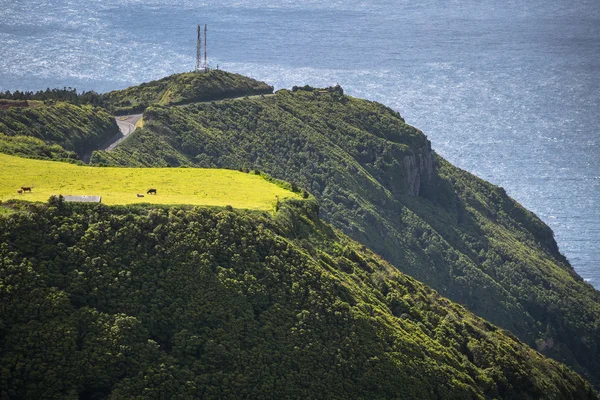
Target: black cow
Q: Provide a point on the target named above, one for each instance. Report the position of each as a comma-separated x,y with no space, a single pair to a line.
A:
151,191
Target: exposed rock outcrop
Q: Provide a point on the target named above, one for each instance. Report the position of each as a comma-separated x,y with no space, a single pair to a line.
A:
419,169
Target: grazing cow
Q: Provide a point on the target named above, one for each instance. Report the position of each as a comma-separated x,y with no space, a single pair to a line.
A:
140,195
151,191
20,191
26,188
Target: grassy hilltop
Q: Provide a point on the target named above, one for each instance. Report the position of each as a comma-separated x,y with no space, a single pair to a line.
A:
212,187
177,89
182,89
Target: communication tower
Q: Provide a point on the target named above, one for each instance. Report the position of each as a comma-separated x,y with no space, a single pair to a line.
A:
201,66
199,50
205,58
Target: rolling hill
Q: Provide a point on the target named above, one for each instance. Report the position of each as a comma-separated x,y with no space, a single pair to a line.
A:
183,88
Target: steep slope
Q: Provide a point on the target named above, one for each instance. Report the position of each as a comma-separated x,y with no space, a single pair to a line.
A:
105,302
184,88
80,129
378,180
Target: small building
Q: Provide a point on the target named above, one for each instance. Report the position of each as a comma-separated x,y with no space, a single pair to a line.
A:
83,199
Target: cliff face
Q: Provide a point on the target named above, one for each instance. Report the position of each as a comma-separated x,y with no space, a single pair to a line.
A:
378,180
420,170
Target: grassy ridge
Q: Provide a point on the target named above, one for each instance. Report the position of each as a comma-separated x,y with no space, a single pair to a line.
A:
463,236
83,122
183,88
121,185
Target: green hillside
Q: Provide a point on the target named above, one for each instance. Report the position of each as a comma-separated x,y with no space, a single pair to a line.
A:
184,88
79,129
213,187
31,147
175,303
84,122
377,179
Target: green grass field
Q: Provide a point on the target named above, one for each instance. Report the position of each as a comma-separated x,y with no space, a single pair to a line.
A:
198,186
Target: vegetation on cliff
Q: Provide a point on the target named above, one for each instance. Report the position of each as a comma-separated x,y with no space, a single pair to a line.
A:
377,179
150,303
83,122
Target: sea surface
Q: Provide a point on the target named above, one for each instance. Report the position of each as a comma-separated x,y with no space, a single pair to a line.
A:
509,90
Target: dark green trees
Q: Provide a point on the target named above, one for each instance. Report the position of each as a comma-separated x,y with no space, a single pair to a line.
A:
99,302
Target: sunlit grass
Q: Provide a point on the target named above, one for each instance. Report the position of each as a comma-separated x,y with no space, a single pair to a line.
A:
199,186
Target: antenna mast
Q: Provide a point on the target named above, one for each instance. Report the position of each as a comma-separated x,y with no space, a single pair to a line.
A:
205,59
201,66
199,50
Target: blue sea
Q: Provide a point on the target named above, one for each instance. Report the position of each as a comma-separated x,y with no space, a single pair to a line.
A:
509,90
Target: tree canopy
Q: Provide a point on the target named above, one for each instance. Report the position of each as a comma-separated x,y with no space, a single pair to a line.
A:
152,303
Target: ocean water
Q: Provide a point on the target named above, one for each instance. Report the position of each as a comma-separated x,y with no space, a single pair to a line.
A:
509,90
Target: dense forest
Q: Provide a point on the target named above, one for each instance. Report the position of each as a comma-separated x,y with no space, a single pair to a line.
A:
170,302
378,180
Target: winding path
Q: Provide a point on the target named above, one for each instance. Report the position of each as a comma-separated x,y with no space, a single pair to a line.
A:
126,125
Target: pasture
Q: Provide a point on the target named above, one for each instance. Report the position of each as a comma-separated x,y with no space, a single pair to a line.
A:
197,186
